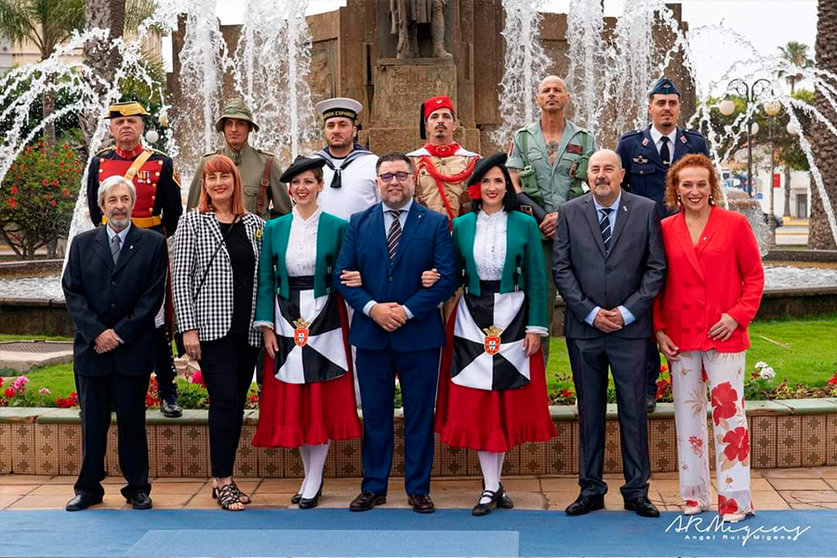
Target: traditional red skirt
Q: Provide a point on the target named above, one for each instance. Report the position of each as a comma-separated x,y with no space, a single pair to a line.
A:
492,420
292,415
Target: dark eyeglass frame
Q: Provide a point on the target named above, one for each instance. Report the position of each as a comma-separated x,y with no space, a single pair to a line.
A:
401,176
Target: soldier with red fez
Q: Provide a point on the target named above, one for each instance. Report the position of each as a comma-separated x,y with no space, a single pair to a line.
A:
442,165
158,207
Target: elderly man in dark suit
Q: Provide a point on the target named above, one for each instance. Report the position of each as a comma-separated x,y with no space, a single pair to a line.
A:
396,327
609,264
113,285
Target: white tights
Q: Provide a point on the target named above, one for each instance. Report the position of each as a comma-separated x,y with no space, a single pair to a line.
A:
491,464
313,462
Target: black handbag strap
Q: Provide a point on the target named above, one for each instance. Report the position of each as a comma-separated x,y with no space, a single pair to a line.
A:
215,253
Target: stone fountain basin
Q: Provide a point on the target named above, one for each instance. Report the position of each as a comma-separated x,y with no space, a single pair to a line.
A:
35,305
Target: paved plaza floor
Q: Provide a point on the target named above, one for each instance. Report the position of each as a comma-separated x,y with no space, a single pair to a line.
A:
773,489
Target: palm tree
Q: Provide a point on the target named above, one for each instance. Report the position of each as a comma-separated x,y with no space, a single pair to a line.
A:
46,23
796,54
825,148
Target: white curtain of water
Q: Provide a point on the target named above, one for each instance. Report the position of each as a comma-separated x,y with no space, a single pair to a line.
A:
270,68
525,65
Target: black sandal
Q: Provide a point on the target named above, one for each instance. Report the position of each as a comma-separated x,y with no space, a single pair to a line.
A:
245,499
228,497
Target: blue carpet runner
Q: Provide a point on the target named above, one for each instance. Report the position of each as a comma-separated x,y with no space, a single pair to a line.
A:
400,532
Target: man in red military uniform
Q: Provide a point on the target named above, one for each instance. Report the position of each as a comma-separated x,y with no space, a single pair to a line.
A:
158,207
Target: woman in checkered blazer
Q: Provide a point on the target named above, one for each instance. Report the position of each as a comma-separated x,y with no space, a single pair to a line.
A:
214,278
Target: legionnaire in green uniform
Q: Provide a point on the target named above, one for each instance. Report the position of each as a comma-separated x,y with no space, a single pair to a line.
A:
264,194
548,165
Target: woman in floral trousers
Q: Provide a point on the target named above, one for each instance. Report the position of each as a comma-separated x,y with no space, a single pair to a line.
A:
712,293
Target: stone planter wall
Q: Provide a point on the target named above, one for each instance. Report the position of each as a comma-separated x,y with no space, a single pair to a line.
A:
796,433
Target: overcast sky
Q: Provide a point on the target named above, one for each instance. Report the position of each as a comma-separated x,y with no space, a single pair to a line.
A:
724,32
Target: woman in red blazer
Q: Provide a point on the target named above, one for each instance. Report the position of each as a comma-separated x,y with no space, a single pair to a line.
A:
712,293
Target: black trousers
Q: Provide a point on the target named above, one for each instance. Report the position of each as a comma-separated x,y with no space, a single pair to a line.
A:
590,359
164,363
97,394
227,366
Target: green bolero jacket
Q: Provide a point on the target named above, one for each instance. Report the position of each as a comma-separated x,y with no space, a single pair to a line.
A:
273,273
524,267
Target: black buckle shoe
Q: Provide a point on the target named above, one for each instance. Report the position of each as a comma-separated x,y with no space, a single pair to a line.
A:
296,498
171,408
585,504
642,506
494,498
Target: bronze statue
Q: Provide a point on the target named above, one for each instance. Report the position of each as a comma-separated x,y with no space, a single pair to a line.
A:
406,17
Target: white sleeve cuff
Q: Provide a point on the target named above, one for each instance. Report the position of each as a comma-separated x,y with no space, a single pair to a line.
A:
538,330
368,306
258,324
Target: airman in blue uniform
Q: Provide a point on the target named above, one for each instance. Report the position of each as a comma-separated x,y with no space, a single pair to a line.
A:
642,151
646,157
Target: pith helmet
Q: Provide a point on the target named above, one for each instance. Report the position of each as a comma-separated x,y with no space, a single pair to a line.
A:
236,108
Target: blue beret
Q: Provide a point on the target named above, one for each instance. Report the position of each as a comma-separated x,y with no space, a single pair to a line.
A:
664,86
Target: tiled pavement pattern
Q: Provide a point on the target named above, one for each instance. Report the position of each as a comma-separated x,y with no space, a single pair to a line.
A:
773,489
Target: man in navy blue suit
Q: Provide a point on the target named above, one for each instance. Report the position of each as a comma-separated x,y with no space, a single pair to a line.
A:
397,327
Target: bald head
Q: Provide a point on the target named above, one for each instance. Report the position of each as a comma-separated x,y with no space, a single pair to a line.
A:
604,176
552,94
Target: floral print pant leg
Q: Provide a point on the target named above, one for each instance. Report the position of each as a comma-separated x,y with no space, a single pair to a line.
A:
725,374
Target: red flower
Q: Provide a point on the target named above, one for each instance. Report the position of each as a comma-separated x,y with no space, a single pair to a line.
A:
566,392
55,182
1,380
727,505
10,392
662,388
692,503
738,444
832,381
14,190
253,398
12,203
663,368
44,182
65,192
66,145
724,398
53,203
150,400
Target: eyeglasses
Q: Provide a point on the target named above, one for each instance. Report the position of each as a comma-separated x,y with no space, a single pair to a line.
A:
400,176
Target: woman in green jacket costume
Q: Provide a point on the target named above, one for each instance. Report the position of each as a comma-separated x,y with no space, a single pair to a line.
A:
492,393
308,396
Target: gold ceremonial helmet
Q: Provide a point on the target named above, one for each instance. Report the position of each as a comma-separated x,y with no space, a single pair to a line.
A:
128,108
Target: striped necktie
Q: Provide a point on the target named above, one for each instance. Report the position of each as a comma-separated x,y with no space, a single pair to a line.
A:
604,226
115,247
394,234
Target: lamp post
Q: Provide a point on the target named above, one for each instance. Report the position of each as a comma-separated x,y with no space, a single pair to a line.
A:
772,108
749,93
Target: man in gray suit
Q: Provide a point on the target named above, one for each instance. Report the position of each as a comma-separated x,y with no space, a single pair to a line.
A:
609,264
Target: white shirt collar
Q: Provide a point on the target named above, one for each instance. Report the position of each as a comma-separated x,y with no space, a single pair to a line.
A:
614,205
656,135
405,208
122,234
313,218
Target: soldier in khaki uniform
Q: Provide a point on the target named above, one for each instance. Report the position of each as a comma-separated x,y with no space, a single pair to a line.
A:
548,164
442,165
264,194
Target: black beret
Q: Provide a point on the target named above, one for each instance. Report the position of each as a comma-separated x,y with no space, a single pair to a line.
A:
484,165
300,165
